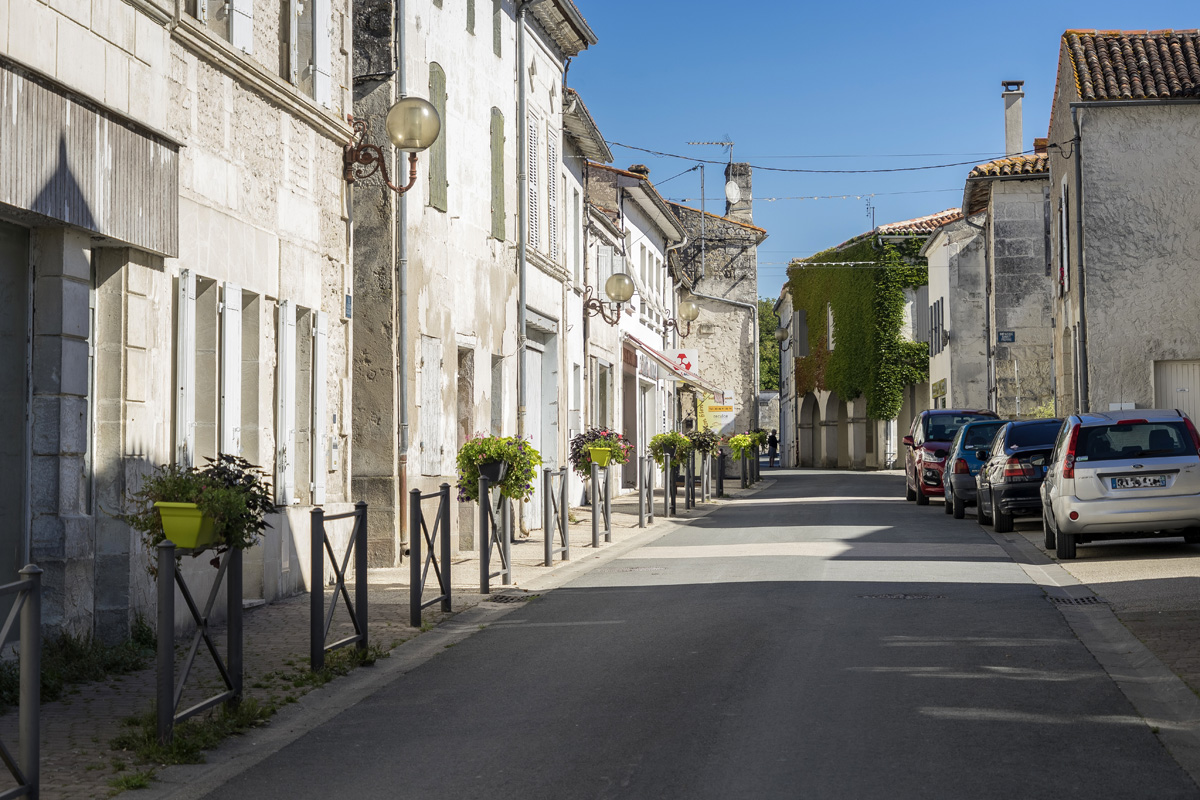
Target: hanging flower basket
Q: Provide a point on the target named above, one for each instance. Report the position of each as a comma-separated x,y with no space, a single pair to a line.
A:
186,525
494,471
600,455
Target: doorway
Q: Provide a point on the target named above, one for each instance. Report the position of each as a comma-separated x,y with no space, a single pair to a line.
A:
14,398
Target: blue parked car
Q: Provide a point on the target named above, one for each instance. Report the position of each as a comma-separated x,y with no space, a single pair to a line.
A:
962,463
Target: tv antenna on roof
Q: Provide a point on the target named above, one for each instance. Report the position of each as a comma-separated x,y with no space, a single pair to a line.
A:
719,144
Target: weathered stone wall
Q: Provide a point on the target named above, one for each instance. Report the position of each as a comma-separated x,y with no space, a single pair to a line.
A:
1020,297
726,336
1141,203
1065,304
956,274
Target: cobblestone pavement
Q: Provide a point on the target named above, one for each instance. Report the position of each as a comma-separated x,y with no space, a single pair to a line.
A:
77,758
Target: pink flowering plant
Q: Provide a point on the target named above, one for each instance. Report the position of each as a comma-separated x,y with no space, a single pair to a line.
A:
522,457
581,444
704,440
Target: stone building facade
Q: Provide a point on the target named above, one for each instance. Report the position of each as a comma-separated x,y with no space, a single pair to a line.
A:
441,270
958,317
1010,196
187,287
719,261
1124,161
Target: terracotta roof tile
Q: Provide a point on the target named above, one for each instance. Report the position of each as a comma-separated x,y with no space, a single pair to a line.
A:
1134,65
921,226
1031,164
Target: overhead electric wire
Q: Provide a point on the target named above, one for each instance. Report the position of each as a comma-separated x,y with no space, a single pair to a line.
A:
849,196
972,162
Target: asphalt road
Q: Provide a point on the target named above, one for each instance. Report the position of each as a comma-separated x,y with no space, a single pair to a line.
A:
822,639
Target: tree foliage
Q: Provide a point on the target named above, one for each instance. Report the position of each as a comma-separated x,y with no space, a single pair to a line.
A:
768,348
869,357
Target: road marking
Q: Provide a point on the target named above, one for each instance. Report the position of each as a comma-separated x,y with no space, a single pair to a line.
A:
821,549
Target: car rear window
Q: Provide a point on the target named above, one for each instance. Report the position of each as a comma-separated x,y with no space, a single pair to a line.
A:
1034,434
942,427
1134,440
980,435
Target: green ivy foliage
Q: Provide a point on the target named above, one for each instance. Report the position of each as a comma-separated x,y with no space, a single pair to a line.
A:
869,358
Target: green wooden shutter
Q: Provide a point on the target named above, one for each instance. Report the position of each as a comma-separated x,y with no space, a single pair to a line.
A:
498,216
497,12
437,153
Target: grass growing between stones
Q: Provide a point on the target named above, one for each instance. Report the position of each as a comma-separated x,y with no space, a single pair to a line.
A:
68,661
207,731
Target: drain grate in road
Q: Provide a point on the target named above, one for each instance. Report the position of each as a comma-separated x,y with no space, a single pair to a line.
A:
1077,601
902,596
511,598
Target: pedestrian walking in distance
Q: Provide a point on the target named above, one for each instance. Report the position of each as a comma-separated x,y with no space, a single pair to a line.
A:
772,447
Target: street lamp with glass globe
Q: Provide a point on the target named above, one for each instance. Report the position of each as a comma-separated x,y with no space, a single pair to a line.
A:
619,288
412,125
688,311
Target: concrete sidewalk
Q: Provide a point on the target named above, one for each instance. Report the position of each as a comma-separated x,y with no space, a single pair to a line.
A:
77,759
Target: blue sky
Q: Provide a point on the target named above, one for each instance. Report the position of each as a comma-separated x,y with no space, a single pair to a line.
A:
795,84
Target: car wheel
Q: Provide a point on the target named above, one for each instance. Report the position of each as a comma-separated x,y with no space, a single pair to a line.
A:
909,494
922,498
983,514
949,506
1192,535
1047,531
1066,545
1002,521
960,507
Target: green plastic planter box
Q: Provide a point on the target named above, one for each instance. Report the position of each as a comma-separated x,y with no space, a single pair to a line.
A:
186,525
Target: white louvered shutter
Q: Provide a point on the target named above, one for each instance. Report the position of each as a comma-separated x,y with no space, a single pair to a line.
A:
231,371
604,256
322,52
531,160
552,195
185,370
430,417
320,427
285,417
241,25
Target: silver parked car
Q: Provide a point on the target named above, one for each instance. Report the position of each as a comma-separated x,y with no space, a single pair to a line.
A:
1120,475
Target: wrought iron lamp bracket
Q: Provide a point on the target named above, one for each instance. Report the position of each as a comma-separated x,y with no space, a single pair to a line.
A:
672,322
361,159
610,312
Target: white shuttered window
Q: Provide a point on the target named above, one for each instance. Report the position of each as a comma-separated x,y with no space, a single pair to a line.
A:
531,161
231,371
552,195
285,416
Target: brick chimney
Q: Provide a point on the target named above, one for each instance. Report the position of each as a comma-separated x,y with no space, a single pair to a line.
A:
1013,135
742,210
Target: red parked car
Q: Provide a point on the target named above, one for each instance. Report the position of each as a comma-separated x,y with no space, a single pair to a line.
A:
928,445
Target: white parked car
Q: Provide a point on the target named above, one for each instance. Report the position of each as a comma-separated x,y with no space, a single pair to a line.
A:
1121,475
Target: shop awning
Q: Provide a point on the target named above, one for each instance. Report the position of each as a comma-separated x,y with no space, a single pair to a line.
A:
673,370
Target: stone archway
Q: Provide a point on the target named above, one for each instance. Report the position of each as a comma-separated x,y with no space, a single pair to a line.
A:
809,427
857,437
829,431
843,435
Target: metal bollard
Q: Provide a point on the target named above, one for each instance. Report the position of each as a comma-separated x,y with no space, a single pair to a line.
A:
506,523
485,539
416,558
641,491
650,471
564,519
233,631
28,718
608,503
316,590
547,517
596,511
165,703
689,485
745,467
360,566
721,473
667,485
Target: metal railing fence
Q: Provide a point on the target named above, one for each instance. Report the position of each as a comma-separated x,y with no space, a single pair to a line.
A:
554,514
493,533
169,687
422,552
320,620
601,504
25,768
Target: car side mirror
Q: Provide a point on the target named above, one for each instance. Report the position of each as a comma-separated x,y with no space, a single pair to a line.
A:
982,455
940,453
908,440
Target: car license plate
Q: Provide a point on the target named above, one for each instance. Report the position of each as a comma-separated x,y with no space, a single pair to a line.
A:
1139,482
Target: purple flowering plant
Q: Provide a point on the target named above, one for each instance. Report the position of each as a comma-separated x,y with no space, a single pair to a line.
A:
522,457
581,457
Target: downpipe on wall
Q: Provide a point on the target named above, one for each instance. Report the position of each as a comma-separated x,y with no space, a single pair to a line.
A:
401,309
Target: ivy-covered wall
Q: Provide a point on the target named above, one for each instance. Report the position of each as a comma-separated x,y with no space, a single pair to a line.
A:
869,357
